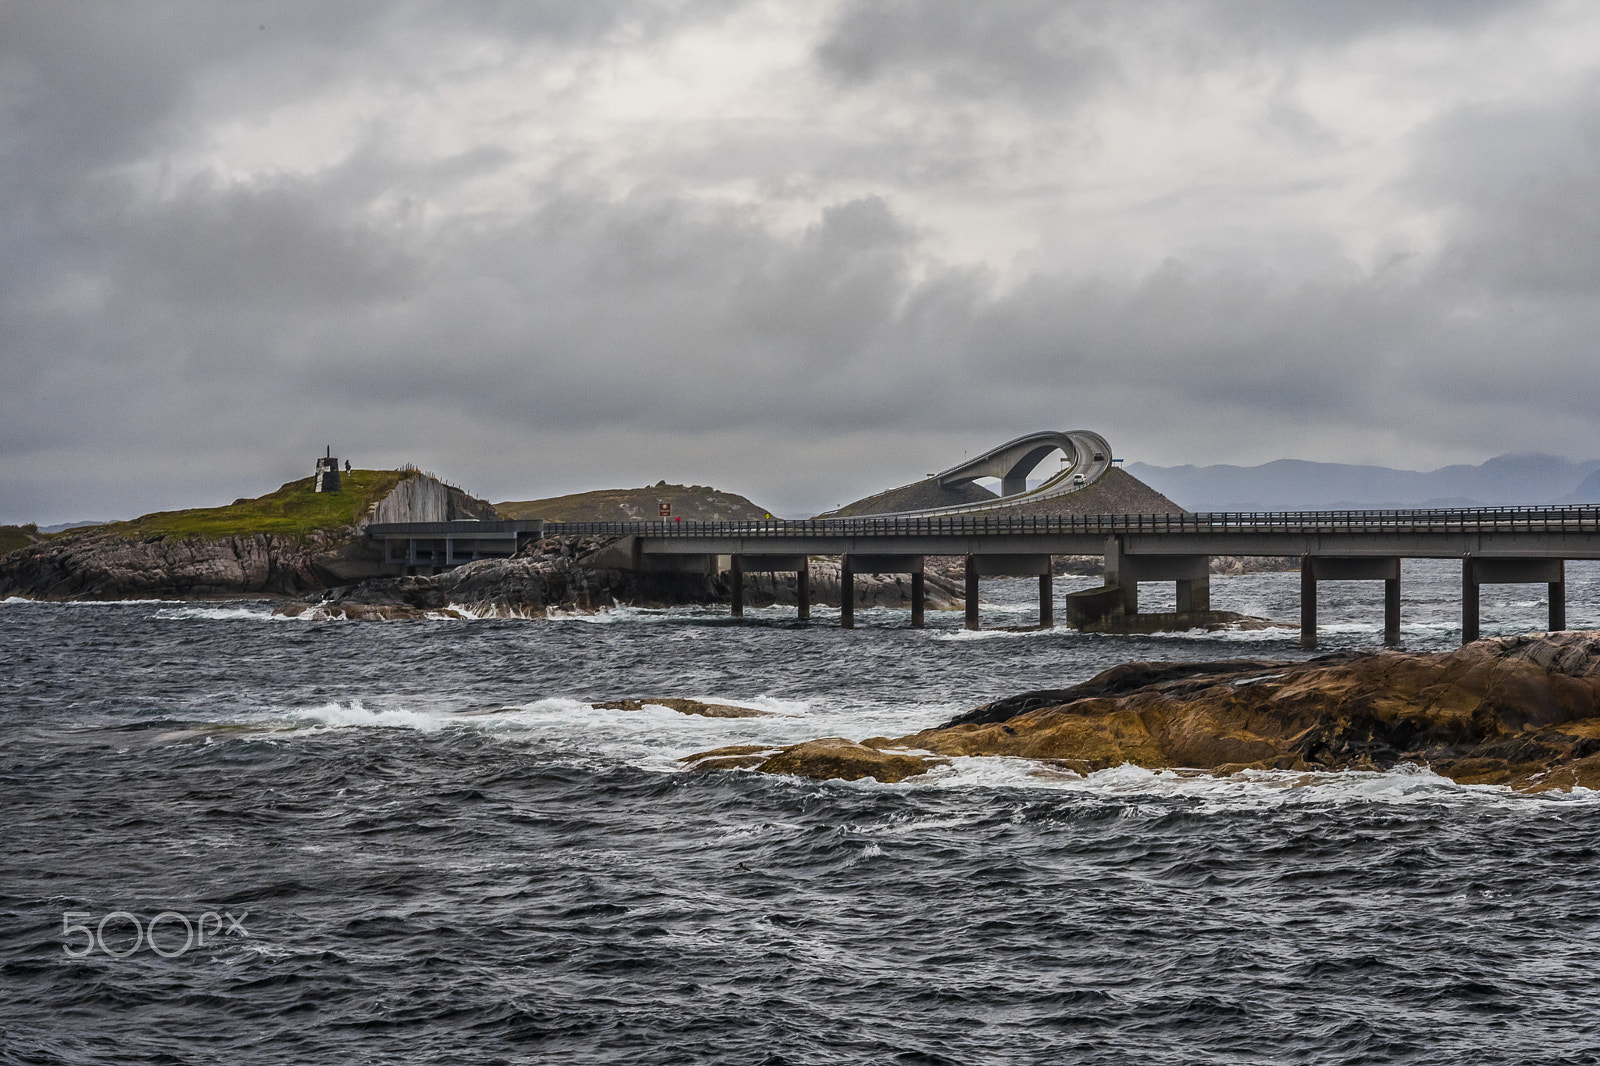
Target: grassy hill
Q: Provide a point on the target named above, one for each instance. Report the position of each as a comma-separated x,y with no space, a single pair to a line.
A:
692,503
14,537
294,510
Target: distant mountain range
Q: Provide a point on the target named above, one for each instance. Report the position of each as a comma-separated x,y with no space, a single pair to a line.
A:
1297,485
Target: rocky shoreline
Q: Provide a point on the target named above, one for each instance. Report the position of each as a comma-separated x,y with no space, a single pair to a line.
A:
105,565
567,574
1521,712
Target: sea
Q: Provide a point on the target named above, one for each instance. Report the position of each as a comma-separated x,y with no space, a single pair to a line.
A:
230,837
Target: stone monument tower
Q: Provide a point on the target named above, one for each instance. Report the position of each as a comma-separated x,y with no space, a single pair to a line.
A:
328,473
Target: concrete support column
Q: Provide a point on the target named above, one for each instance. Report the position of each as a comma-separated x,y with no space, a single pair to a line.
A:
1047,602
1122,574
1391,607
972,593
1194,594
919,599
1479,570
802,590
847,593
1558,601
736,583
1469,600
1308,602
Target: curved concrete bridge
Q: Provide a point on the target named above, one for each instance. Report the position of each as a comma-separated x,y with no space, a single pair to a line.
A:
1087,458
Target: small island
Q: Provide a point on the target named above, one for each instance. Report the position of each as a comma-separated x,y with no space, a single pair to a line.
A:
1522,712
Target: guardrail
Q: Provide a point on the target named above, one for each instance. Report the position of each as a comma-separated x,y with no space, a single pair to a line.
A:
1585,519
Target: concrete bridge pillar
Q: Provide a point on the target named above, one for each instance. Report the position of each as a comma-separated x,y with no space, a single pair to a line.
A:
1315,568
799,565
1122,576
847,594
971,598
802,590
1194,594
1477,571
1191,574
1011,566
884,564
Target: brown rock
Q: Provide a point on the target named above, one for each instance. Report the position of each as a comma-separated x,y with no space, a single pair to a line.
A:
732,757
1518,711
836,757
682,706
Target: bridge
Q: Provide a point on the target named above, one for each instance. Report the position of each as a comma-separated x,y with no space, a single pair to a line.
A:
1494,546
1086,456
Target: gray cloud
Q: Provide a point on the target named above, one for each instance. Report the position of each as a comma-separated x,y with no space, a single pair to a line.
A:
769,303
1030,46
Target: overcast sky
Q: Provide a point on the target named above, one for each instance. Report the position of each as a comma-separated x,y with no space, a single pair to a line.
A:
801,250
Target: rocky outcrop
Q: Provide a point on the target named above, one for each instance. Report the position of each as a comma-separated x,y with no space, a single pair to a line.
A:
683,706
1234,565
562,573
1522,712
146,558
551,574
101,564
1518,711
831,758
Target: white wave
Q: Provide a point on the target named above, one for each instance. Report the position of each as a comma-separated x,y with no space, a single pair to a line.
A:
487,612
1403,784
257,613
9,600
624,614
355,715
999,634
1224,635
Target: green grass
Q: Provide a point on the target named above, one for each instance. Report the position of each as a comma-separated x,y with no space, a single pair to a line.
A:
293,511
14,537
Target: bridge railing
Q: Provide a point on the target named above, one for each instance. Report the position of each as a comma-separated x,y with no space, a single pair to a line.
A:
1573,519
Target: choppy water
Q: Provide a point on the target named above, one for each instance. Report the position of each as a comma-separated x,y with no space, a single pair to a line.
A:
435,851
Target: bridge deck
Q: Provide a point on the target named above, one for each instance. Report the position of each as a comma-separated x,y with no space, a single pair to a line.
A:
1542,532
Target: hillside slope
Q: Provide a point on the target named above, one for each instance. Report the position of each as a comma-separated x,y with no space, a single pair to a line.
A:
1116,492
692,503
